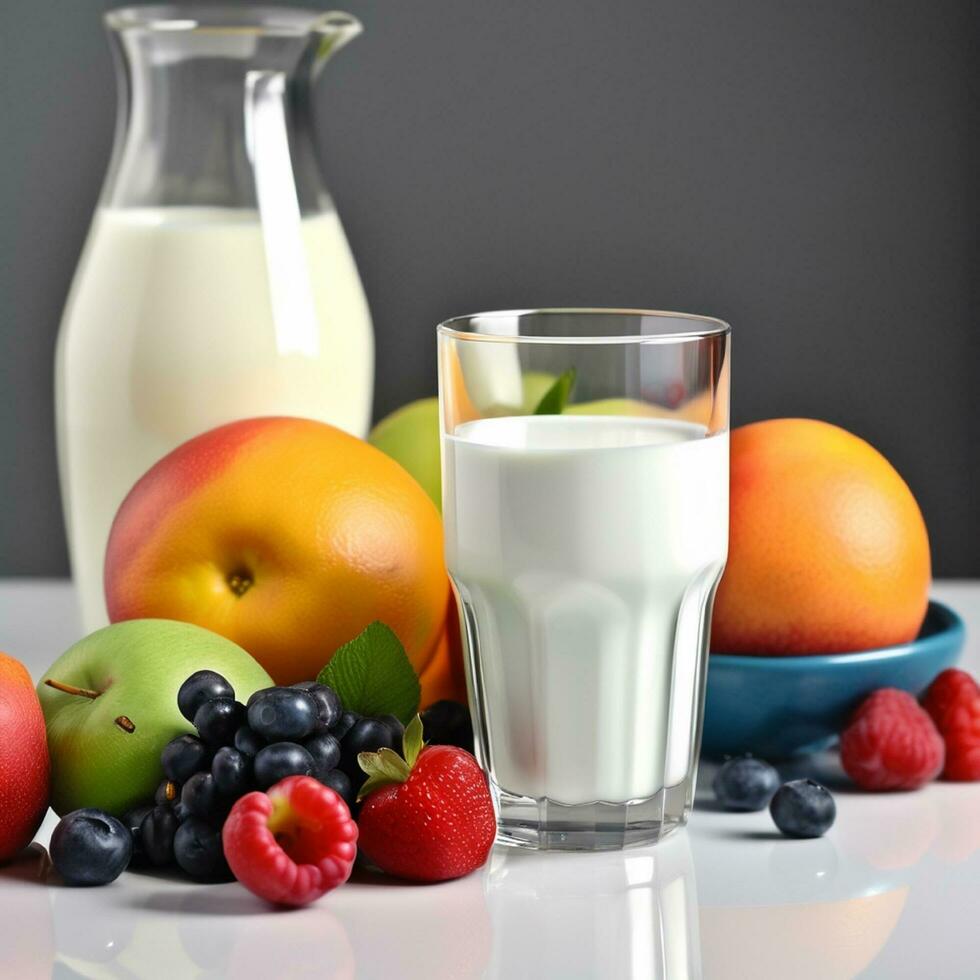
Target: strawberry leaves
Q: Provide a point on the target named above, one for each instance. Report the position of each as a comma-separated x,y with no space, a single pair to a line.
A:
412,743
386,767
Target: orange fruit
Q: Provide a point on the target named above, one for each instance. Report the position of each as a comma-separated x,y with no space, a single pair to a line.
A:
828,551
287,536
444,677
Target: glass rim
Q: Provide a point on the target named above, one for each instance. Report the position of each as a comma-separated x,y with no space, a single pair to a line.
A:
710,326
221,19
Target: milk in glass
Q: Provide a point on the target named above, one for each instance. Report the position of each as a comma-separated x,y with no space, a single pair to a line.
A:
585,550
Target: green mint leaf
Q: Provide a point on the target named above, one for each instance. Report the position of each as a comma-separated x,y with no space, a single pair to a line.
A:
373,676
384,768
555,399
412,741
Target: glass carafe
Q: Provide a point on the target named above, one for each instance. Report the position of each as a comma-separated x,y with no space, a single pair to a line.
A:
216,282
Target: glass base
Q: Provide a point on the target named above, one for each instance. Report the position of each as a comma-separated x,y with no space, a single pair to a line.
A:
546,825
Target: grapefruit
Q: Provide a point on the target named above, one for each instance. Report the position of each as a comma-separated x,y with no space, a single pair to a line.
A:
828,550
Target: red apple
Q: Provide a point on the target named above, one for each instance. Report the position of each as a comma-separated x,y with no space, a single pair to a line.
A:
24,763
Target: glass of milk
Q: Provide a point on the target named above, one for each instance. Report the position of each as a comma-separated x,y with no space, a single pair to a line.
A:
216,282
585,499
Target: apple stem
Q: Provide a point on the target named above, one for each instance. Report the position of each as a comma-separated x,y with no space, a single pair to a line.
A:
71,689
127,726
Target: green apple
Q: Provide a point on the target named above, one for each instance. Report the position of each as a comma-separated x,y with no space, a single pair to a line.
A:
110,706
410,434
614,406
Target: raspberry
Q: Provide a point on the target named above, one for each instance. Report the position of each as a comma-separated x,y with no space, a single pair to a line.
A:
949,686
961,730
291,844
891,743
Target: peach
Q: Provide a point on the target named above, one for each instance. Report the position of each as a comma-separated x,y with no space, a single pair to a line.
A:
287,536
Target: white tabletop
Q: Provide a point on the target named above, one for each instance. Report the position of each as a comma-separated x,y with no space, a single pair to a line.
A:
891,891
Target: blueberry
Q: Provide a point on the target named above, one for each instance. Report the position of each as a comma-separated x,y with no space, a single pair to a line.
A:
366,735
217,721
329,708
448,723
184,756
166,793
745,784
89,847
198,851
282,713
157,835
325,750
803,808
338,781
396,728
204,685
280,760
180,811
201,797
344,724
132,820
248,742
232,772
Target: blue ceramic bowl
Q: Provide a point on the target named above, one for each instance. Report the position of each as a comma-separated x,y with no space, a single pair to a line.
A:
778,707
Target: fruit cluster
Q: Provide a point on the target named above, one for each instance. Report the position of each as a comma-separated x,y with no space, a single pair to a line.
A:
302,730
894,743
289,756
799,808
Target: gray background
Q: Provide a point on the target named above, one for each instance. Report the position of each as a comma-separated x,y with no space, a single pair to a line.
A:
805,170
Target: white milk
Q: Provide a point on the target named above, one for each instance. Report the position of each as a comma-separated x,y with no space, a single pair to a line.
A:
581,547
177,323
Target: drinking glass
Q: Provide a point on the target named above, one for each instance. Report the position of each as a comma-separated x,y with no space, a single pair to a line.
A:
585,500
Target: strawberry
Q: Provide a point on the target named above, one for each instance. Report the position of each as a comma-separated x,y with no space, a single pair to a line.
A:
427,816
